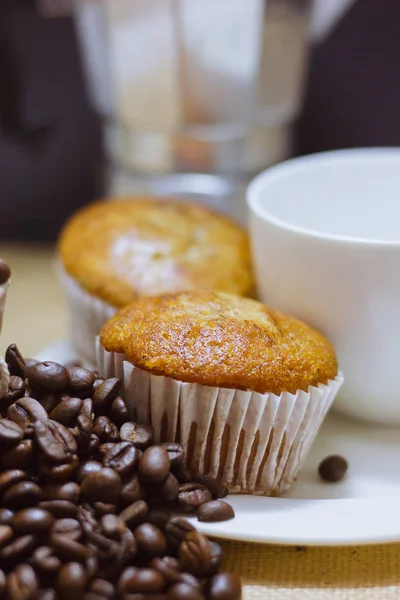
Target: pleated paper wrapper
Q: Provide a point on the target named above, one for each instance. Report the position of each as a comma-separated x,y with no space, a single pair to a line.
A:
253,443
86,313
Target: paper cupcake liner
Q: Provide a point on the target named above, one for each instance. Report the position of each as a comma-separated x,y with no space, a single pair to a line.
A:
254,443
87,314
3,295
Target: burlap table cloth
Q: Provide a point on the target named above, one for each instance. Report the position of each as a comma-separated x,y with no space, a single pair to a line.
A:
35,317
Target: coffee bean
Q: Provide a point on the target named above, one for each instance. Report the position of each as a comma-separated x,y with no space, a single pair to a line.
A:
89,466
44,560
102,588
101,486
87,409
333,468
58,472
66,411
176,453
105,430
6,535
150,540
81,381
141,436
184,591
135,514
154,465
55,441
225,586
32,520
83,430
11,477
15,362
68,490
16,390
216,510
22,494
60,509
50,401
91,447
10,433
192,495
177,530
69,549
19,548
112,526
169,490
22,583
6,518
5,272
26,411
119,411
104,394
17,457
68,527
122,456
195,555
71,580
216,488
169,568
48,377
144,581
132,490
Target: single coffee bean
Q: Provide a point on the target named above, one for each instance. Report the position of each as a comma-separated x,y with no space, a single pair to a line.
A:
68,527
18,457
69,549
135,514
105,430
81,381
83,430
32,520
104,394
68,490
25,412
112,526
122,456
6,535
5,272
102,508
144,581
216,488
22,494
60,509
216,510
48,377
10,433
154,465
158,517
89,466
169,490
119,411
71,580
55,441
192,495
177,530
19,548
15,362
150,540
225,586
6,518
101,486
333,468
16,390
89,449
176,453
169,568
44,560
22,583
66,411
58,472
102,588
141,436
10,477
87,409
195,555
132,490
184,591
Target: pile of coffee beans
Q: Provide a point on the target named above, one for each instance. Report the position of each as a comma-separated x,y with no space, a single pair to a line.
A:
86,497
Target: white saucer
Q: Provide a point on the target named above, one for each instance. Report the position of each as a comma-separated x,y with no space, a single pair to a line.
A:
362,509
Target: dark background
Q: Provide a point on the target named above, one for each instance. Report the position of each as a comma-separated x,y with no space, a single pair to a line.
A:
50,151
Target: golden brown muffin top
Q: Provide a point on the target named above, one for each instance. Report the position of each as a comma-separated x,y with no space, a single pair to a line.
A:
128,248
221,340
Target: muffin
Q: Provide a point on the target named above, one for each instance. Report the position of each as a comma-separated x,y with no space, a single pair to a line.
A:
112,253
243,387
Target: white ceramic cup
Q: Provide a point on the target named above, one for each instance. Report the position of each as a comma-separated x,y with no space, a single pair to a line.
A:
325,235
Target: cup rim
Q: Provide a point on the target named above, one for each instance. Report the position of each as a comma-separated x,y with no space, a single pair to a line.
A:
257,186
